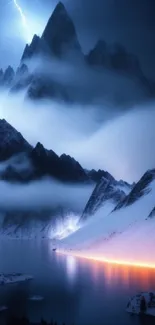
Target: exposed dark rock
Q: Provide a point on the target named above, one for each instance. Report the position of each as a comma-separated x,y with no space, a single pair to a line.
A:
60,34
22,78
43,87
105,191
115,57
22,71
59,37
141,188
64,168
98,55
8,76
121,60
33,49
73,168
152,214
97,175
1,76
26,163
11,141
59,40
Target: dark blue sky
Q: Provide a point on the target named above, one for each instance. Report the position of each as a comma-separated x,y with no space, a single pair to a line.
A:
132,22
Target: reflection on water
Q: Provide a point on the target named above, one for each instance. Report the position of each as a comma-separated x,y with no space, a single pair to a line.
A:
114,274
71,266
127,275
75,290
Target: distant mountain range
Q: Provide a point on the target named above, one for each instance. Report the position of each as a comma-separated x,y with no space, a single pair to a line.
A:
111,72
22,164
107,73
113,209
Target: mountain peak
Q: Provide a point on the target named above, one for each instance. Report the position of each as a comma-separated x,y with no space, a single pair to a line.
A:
60,34
8,76
11,141
32,49
60,8
106,192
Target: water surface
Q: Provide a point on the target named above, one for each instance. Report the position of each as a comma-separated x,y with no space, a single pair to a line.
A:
76,291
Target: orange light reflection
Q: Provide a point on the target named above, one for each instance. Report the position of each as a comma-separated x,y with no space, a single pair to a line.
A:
107,260
118,270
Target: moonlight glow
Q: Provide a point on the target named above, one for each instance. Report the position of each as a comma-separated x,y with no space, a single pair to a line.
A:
66,227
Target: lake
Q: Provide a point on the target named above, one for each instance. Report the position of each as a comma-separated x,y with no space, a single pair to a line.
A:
76,291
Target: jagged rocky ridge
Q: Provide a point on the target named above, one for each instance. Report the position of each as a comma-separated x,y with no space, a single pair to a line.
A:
119,194
21,164
25,163
59,37
107,190
59,41
139,190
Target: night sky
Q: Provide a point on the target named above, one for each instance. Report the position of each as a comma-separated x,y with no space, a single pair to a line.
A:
131,22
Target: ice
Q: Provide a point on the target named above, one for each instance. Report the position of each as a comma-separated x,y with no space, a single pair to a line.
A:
133,305
14,278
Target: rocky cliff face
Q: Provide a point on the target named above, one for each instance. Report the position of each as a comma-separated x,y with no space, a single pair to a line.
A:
108,68
34,49
108,191
24,163
114,57
139,190
8,77
60,34
11,141
59,38
111,66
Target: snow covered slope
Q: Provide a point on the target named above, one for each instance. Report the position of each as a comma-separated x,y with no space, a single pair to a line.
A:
125,233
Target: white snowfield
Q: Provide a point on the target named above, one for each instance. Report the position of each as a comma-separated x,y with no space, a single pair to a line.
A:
125,234
133,305
14,278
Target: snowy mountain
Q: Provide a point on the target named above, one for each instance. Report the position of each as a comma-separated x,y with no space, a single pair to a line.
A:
23,170
139,190
22,164
98,76
108,192
124,233
114,210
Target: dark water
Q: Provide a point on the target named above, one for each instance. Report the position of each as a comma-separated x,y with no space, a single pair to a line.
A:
75,291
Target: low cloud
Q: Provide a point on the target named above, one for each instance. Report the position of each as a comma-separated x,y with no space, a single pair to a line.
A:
43,195
98,136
